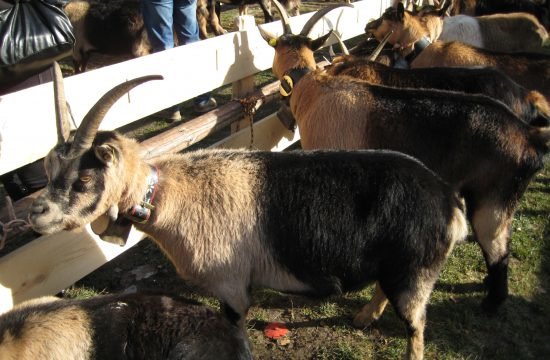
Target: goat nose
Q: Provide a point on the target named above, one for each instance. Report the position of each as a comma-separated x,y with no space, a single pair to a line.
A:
39,207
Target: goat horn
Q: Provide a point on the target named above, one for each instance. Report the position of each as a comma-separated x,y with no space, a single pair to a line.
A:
61,114
318,15
284,17
87,130
342,45
380,46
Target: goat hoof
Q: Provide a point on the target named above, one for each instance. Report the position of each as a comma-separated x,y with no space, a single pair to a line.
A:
362,321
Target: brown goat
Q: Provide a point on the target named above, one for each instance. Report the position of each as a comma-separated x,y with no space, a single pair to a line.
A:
475,143
113,29
411,38
530,106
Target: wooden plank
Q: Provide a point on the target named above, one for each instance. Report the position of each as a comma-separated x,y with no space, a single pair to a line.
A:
51,263
269,134
244,86
27,116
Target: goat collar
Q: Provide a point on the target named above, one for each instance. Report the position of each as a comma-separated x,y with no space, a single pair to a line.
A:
290,79
141,212
419,46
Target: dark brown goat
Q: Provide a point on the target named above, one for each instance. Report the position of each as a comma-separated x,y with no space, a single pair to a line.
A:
486,7
475,143
411,38
106,28
530,106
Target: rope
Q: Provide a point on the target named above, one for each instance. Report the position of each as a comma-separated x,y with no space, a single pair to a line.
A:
13,224
249,105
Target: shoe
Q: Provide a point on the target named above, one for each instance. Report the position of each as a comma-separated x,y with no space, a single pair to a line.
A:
170,115
205,106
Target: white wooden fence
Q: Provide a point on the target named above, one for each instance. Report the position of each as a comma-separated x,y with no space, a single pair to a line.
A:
27,132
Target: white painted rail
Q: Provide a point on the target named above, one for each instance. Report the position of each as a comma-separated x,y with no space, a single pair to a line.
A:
27,131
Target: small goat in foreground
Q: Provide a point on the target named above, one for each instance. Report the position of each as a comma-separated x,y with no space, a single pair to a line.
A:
310,222
126,326
474,142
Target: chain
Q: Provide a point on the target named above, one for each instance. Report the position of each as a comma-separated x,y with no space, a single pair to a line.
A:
13,224
249,109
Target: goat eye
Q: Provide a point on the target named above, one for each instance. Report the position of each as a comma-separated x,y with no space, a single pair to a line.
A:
85,178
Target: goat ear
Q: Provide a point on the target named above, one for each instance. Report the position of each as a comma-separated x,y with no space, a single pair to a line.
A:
106,153
400,11
317,43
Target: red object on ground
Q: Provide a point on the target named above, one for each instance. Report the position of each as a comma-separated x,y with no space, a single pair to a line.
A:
275,330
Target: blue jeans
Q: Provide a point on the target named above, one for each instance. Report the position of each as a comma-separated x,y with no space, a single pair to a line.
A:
160,16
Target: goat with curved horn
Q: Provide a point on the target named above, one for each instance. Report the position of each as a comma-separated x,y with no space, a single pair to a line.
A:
61,111
87,130
308,26
379,48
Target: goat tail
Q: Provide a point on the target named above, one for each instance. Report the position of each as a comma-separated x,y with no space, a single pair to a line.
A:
458,226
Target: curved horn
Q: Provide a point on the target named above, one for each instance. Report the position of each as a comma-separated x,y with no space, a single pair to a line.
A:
61,113
317,16
87,130
380,46
342,45
284,17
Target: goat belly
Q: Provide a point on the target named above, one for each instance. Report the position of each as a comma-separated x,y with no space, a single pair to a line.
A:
340,222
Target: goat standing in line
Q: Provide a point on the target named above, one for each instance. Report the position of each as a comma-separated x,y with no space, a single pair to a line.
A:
125,326
530,106
475,143
311,222
411,38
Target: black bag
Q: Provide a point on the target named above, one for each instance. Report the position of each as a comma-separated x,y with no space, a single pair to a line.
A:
33,34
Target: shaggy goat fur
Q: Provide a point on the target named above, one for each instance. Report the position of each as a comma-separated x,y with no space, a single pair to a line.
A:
311,222
475,143
131,326
114,29
530,106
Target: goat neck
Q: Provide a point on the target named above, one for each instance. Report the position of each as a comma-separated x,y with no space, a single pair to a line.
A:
407,29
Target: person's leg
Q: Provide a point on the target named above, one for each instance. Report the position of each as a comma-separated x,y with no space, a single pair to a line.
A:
158,20
186,26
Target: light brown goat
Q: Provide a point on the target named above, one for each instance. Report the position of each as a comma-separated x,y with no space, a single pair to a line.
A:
513,32
411,38
475,143
319,222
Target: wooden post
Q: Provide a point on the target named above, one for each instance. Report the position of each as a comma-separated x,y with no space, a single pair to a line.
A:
245,86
